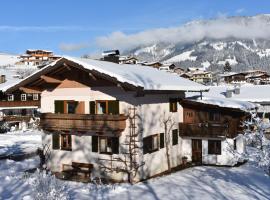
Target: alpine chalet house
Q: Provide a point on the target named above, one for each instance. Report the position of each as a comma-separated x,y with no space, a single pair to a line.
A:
95,113
37,57
212,131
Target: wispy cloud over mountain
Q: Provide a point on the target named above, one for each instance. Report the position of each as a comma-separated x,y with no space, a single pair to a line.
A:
257,27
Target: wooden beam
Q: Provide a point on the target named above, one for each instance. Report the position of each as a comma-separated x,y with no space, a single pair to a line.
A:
30,90
49,79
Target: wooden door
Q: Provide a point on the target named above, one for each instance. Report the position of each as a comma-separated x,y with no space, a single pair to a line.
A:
197,151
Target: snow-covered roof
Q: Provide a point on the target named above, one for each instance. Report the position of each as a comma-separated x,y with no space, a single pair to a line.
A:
228,103
141,76
248,92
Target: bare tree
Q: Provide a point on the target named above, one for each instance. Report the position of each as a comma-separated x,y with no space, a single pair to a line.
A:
168,125
127,161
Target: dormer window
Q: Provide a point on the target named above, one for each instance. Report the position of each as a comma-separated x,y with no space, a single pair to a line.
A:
10,97
23,97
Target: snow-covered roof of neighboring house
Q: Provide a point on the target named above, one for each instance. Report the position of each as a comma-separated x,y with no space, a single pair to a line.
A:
139,76
227,103
248,92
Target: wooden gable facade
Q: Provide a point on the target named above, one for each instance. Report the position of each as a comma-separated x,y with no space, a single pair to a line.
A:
206,120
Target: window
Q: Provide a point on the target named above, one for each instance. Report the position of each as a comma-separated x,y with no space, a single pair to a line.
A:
66,142
173,105
55,141
23,97
150,144
234,144
10,97
174,137
71,107
161,140
58,106
105,145
104,107
101,107
35,97
213,116
214,147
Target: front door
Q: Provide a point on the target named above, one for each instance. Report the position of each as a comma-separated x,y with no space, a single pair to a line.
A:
197,151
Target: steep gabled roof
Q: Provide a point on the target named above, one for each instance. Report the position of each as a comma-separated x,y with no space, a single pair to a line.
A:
143,77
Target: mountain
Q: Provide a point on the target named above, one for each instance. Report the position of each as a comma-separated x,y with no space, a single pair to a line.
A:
242,41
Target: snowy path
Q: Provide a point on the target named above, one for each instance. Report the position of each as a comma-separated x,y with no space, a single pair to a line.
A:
19,142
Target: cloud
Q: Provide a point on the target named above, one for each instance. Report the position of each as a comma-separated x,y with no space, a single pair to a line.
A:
47,28
73,47
240,10
238,27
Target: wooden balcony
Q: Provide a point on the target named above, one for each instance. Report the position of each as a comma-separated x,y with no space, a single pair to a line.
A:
214,130
19,103
82,122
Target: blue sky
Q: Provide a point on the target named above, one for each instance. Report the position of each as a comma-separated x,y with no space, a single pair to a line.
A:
72,27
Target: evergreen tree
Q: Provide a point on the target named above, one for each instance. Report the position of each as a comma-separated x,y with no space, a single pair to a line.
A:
227,67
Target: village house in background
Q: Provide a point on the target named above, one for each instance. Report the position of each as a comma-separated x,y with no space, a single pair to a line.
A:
257,77
37,57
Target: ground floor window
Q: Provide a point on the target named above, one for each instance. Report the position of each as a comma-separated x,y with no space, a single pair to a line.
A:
66,142
105,145
150,144
62,141
214,147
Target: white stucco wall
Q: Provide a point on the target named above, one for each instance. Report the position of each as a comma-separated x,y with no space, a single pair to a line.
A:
151,110
228,155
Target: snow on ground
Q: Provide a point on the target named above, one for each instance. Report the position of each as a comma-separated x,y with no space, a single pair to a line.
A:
19,142
182,57
204,182
7,59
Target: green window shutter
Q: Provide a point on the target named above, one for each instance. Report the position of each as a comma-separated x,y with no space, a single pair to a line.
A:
115,145
113,107
55,141
92,106
161,140
58,106
174,137
94,143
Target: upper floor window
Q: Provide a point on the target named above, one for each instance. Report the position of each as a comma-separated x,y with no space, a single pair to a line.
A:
173,105
104,107
23,97
35,97
214,116
10,97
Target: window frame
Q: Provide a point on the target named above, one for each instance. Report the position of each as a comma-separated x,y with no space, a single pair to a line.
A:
214,147
63,146
23,95
12,97
214,116
35,97
149,140
173,105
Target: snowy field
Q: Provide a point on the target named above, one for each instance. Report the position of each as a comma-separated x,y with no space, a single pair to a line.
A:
244,182
19,142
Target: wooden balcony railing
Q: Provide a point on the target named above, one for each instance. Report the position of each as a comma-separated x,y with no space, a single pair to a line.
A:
19,103
82,122
203,130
